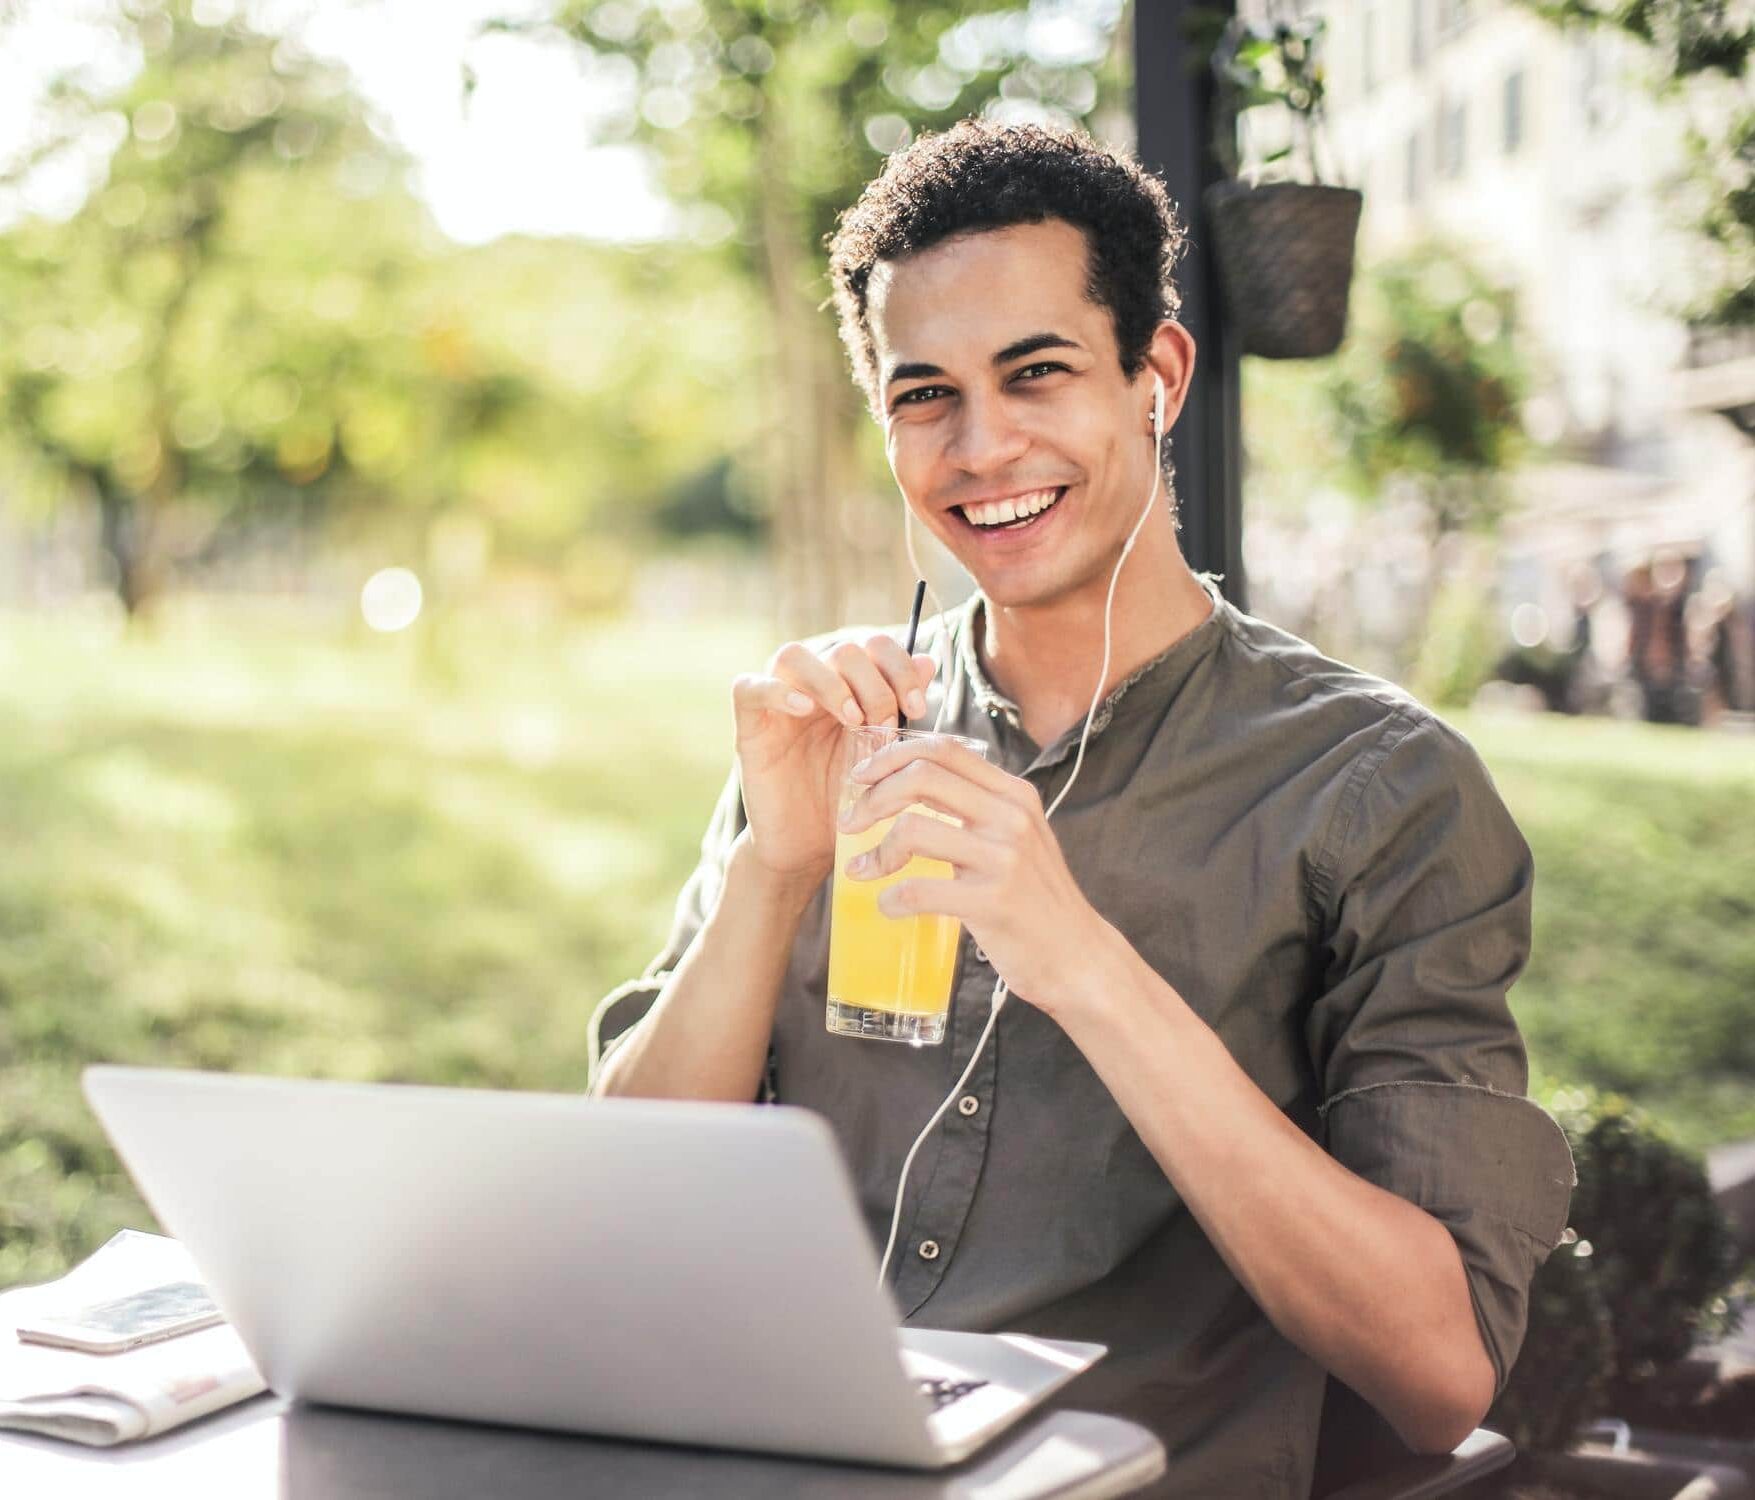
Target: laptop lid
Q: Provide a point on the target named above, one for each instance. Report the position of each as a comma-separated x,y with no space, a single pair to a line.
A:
685,1272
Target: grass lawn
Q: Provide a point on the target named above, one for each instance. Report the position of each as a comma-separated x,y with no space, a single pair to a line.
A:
251,844
266,844
1642,978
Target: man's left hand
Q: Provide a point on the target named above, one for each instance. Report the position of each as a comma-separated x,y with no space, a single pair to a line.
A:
1010,885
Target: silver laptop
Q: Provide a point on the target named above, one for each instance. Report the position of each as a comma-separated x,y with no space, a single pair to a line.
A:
689,1273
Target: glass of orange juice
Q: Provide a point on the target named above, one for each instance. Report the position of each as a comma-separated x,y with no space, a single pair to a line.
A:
889,977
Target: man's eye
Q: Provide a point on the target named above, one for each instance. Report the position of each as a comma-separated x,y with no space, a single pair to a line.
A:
925,393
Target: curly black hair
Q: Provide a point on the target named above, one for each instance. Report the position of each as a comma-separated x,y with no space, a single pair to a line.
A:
979,175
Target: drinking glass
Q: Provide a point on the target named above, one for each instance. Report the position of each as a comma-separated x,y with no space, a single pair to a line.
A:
890,978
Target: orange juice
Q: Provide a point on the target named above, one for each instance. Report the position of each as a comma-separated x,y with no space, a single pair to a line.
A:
902,965
890,978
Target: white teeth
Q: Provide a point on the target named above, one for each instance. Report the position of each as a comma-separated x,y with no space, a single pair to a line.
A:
998,512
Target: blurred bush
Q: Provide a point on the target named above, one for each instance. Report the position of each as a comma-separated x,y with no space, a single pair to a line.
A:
1457,653
1562,1375
1426,391
1665,1251
1646,1273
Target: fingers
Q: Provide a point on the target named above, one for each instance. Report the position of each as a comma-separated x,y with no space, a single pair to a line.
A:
752,692
956,758
879,700
925,782
917,834
914,898
804,670
858,682
899,672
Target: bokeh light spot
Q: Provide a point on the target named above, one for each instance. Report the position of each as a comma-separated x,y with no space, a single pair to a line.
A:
391,599
155,120
1529,625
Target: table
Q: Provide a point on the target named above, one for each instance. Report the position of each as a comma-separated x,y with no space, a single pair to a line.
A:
270,1447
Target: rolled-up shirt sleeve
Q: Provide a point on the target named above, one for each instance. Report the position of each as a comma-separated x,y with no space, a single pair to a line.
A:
625,1006
1425,890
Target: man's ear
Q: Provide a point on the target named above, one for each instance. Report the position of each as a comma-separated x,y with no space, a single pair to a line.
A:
1171,354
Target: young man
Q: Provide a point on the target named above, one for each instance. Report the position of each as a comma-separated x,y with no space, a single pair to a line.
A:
1256,1111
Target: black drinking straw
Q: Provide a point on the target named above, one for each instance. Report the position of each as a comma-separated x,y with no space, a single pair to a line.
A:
913,630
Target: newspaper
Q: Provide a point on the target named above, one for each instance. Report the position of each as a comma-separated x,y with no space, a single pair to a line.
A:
103,1399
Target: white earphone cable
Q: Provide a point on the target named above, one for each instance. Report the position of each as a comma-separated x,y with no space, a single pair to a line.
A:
1000,991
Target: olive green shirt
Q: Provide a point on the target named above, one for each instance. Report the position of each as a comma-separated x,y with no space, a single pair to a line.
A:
1324,872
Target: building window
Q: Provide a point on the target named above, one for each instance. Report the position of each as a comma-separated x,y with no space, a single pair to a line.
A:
1453,133
1368,50
1413,180
1513,123
1453,16
1417,33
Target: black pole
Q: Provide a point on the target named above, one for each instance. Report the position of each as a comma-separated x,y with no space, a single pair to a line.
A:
1173,108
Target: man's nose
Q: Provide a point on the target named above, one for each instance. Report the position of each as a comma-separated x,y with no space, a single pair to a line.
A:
987,436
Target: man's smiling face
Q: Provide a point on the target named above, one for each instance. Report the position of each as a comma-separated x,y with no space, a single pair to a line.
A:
1004,399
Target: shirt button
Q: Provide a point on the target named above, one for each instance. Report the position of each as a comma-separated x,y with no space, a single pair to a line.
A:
967,1105
929,1249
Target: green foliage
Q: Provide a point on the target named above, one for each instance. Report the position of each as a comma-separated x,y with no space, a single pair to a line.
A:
1458,647
1291,444
639,365
767,120
252,319
1665,1254
1691,37
1723,178
1423,398
1562,1372
1277,65
1428,387
1273,63
214,327
778,113
708,503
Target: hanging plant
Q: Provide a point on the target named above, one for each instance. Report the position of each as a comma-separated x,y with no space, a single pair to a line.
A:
1283,237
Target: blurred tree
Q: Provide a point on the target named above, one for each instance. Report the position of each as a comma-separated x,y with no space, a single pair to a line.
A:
1416,419
203,334
1703,52
1426,393
639,357
250,318
768,117
1426,399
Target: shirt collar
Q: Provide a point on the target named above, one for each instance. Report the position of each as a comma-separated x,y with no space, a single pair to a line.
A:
1153,683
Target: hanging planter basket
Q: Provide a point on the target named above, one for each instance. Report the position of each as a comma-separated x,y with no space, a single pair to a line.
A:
1285,254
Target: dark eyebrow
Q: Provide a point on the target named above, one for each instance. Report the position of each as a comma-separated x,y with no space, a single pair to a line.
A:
1011,351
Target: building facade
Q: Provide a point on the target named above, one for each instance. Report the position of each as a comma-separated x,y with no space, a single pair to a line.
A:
1544,156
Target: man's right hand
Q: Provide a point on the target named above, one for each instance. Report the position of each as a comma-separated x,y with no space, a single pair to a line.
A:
790,723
